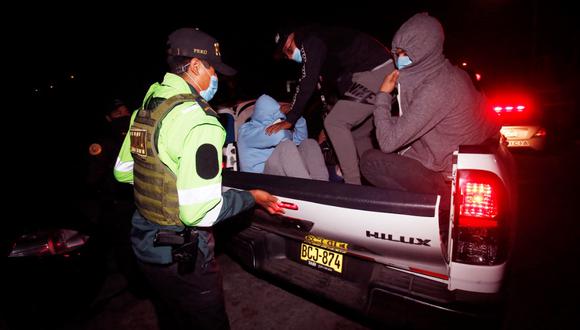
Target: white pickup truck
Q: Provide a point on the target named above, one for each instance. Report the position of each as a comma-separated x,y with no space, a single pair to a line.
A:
380,251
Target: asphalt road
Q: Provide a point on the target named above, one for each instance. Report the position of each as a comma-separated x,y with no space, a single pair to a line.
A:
251,302
541,285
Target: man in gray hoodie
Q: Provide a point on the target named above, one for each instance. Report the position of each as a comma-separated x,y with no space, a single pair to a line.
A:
439,109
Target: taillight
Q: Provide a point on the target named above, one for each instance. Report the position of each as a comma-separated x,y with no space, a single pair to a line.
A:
51,242
479,235
478,206
540,133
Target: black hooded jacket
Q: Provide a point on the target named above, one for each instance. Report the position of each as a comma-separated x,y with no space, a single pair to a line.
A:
334,54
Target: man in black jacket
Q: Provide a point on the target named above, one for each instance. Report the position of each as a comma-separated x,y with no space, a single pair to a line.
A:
348,62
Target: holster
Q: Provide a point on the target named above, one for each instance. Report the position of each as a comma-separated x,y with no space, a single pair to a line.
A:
183,247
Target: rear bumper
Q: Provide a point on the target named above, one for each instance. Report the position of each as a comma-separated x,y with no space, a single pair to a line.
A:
535,143
384,294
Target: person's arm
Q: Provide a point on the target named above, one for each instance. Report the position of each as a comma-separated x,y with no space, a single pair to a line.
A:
123,170
236,201
256,137
198,173
313,54
300,132
199,181
420,117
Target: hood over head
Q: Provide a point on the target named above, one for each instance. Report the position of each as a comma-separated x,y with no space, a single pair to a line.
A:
267,110
421,37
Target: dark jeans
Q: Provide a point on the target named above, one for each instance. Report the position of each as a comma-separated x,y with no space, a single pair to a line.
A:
393,171
189,301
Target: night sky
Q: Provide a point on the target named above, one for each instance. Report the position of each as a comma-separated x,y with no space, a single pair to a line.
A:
118,53
121,50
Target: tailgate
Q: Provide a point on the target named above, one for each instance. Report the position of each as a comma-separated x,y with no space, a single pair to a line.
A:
395,228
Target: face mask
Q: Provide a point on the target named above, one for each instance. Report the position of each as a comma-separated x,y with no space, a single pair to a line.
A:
296,56
403,61
210,91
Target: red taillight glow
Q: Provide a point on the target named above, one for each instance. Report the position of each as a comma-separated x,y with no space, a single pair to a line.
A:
478,202
477,77
540,133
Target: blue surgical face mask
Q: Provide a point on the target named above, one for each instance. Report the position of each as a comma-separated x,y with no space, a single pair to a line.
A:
296,56
403,61
210,91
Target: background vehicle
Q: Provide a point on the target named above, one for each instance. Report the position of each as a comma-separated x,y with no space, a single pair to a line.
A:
52,271
381,252
521,122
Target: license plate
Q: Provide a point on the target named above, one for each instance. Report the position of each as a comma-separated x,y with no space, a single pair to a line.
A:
321,258
518,143
514,133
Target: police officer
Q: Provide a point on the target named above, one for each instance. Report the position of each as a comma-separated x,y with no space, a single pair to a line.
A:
172,155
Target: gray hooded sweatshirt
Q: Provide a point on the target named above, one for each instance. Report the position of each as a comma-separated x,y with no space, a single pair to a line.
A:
441,109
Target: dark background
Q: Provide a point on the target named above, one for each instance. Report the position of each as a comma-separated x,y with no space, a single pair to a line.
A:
115,52
120,52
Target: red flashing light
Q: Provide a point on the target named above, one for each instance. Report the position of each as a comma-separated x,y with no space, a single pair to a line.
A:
499,110
513,104
477,77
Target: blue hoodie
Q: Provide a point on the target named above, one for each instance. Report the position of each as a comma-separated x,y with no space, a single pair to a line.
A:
254,145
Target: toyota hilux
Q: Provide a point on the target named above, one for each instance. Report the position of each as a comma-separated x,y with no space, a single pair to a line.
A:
379,251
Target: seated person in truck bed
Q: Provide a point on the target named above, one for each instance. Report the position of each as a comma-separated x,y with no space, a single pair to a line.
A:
285,153
440,109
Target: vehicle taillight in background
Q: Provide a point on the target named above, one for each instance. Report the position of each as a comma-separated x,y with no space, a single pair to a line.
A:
541,133
480,231
51,242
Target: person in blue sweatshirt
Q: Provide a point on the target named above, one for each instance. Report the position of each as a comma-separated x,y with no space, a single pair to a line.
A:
284,153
